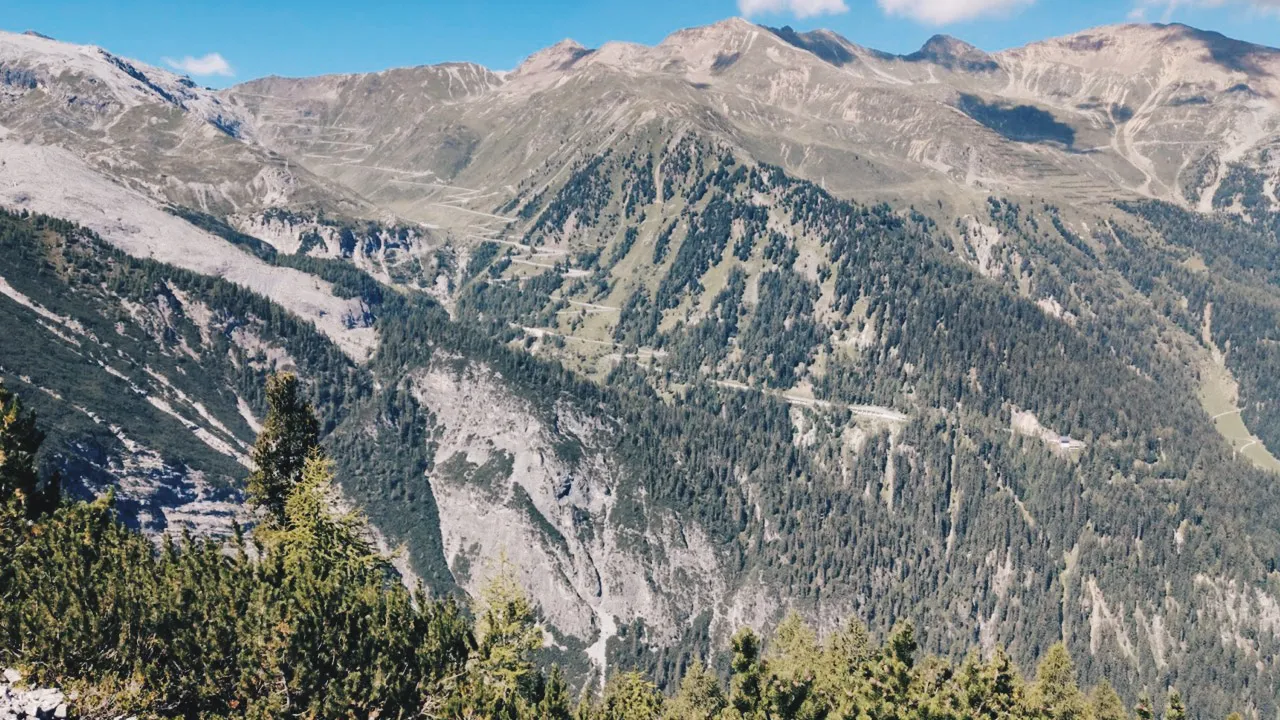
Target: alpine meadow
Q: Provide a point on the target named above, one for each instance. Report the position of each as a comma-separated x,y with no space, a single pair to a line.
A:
754,374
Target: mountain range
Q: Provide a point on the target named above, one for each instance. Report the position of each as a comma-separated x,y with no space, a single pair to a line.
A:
693,334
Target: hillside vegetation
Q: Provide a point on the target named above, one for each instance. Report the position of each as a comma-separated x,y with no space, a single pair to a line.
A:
932,511
689,338
304,619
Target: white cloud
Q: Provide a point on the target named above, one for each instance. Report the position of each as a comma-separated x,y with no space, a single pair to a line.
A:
799,8
945,12
1168,7
211,64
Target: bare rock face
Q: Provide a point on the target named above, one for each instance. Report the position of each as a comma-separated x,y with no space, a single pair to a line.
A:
18,702
1055,118
507,491
600,153
143,126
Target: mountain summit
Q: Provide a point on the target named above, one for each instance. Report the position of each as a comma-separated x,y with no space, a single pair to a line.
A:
954,54
1057,116
694,334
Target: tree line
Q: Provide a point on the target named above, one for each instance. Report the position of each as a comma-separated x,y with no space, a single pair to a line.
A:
302,618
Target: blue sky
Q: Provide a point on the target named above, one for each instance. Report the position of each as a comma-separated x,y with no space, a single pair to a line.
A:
309,37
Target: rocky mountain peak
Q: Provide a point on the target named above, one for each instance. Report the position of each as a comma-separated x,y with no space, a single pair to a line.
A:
714,48
696,51
1192,55
1228,52
727,36
947,46
954,54
561,56
40,60
729,28
825,44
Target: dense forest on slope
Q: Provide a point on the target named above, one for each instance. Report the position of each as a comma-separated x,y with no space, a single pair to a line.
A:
603,335
1237,297
305,620
745,276
168,354
981,535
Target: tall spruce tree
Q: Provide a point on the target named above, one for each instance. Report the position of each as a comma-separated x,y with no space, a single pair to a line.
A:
892,673
1055,692
845,655
794,656
20,440
1143,710
700,696
630,696
1105,703
554,704
501,671
747,686
989,689
1175,709
289,436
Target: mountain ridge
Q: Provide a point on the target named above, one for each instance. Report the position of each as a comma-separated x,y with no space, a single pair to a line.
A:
715,50
711,329
1006,91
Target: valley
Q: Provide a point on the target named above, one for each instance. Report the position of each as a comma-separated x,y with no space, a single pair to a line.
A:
691,336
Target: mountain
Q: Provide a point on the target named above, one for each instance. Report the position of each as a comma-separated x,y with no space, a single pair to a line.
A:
1054,118
693,334
154,131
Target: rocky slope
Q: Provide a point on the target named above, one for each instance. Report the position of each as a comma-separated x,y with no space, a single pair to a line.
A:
1002,402
28,703
155,132
1057,118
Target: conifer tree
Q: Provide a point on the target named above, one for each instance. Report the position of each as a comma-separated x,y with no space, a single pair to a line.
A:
1006,683
891,674
554,704
629,696
1105,703
1143,710
289,435
794,657
991,689
1175,709
311,529
20,440
845,654
747,686
794,650
700,696
501,669
1055,692
849,647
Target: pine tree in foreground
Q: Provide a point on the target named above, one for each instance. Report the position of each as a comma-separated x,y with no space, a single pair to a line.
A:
290,434
20,440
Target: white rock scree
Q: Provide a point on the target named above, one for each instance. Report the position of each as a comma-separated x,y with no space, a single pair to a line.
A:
27,704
